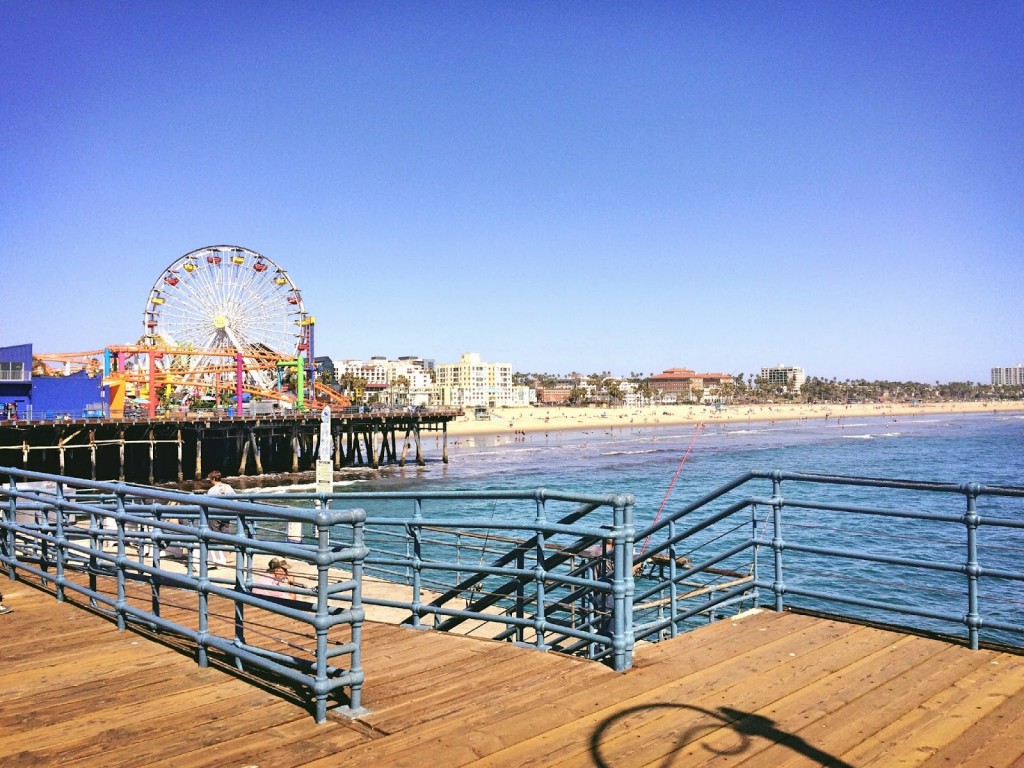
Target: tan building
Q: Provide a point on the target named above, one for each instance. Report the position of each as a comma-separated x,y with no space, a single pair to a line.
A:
473,382
686,384
553,395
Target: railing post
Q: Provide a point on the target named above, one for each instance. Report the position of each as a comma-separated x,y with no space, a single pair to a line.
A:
539,518
673,586
973,570
202,582
415,533
757,552
10,513
356,665
622,583
119,564
778,585
62,544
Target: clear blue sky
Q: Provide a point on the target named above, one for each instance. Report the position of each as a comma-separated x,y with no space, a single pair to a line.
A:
561,186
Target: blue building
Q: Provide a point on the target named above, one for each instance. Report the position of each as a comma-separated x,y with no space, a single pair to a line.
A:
25,396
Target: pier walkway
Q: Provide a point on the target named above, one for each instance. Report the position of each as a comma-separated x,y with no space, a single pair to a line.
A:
762,689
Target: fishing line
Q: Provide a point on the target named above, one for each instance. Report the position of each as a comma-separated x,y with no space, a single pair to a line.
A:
671,485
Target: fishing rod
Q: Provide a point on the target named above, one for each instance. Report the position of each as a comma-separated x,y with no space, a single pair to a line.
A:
671,485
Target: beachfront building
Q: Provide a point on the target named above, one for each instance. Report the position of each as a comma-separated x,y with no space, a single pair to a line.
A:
472,382
684,385
554,395
406,380
1011,376
789,377
29,389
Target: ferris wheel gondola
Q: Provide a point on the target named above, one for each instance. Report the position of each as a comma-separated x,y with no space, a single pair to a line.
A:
223,301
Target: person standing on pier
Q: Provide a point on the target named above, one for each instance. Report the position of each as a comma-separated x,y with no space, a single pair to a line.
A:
219,488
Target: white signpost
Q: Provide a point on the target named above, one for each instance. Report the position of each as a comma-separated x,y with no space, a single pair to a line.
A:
324,462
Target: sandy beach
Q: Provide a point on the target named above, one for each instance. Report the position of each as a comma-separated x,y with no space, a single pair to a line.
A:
555,419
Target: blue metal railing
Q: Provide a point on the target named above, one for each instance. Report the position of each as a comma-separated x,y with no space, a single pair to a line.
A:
101,539
534,567
915,555
555,571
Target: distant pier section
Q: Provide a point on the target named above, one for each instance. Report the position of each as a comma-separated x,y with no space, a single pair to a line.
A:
173,448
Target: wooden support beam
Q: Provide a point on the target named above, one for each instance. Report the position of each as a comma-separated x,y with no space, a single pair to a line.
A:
420,461
371,453
199,454
245,458
181,472
256,451
444,450
405,448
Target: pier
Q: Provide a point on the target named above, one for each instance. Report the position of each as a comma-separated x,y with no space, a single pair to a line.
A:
177,448
765,689
538,635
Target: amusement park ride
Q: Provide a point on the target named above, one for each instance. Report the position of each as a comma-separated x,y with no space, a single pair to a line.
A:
222,325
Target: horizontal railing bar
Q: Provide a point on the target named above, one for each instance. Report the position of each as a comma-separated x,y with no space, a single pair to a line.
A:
849,554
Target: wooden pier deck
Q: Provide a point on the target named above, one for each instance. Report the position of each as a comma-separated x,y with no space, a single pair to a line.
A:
764,690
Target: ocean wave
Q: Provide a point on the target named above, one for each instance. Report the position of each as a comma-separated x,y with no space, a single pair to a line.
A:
858,437
303,487
630,453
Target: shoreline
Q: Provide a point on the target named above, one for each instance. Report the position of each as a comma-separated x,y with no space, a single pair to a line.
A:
508,421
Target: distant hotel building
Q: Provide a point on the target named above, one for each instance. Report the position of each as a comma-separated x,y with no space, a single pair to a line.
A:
474,383
1012,376
788,376
686,384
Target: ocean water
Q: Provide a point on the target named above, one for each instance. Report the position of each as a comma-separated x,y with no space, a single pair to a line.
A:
667,467
643,460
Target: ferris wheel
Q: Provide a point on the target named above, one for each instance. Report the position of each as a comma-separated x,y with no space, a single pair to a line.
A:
222,300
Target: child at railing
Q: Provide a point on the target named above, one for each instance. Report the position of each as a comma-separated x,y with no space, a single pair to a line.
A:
276,576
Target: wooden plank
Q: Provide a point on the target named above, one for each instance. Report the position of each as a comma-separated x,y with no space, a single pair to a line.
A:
799,724
944,716
766,690
720,719
643,686
871,707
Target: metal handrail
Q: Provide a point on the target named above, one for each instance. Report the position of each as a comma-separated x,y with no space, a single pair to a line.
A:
914,559
536,585
549,569
42,535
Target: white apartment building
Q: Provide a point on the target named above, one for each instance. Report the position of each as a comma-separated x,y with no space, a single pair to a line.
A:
381,375
789,376
1008,376
474,383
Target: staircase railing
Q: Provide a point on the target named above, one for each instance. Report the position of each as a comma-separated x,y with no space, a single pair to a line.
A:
115,544
551,570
